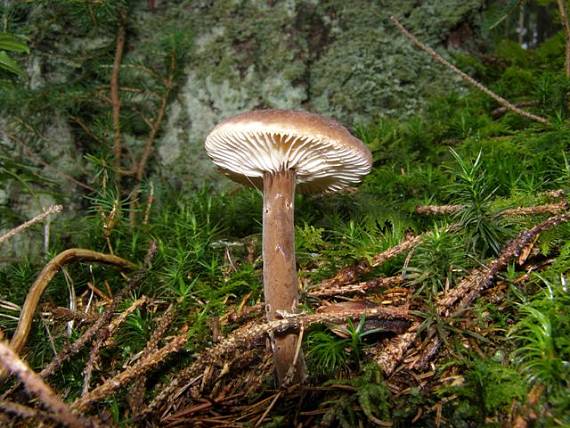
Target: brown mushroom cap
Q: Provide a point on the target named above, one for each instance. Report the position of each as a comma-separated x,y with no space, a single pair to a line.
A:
324,155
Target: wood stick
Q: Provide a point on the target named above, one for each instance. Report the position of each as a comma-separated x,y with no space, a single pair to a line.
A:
462,296
54,209
46,275
34,384
502,101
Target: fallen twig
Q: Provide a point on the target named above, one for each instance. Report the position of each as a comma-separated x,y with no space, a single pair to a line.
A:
138,369
359,288
34,384
43,279
104,339
135,397
462,296
351,273
465,76
54,209
23,411
251,335
510,212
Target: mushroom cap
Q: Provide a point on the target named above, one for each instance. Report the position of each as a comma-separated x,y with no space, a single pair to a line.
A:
324,155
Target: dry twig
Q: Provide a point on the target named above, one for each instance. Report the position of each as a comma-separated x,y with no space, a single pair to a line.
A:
511,212
359,288
462,296
54,209
23,411
104,339
43,279
34,384
140,368
466,77
135,397
249,336
351,273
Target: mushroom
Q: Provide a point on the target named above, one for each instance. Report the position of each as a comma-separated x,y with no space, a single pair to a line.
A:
278,150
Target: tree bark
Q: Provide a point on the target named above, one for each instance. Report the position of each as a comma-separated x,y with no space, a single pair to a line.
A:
279,268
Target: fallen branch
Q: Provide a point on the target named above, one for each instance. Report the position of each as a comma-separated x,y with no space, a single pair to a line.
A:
500,111
249,336
140,368
359,288
73,348
54,209
46,275
104,339
462,296
351,273
135,397
502,101
511,212
23,411
34,384
438,209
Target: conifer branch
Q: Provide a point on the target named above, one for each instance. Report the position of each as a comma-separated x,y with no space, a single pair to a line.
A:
34,384
105,339
22,411
140,368
457,299
250,336
358,288
105,318
552,209
35,158
502,101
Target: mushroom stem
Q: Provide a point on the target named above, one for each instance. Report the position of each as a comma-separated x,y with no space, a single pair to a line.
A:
279,268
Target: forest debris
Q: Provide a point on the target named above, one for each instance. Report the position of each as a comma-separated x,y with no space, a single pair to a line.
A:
140,368
437,57
54,209
34,384
359,288
46,275
500,111
341,329
251,335
23,411
104,339
438,209
135,398
552,209
73,348
351,273
452,302
62,314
